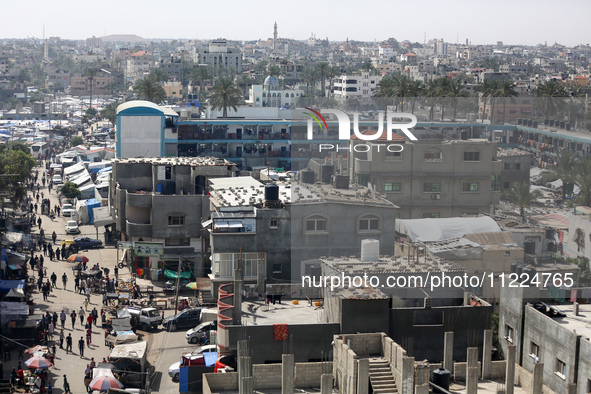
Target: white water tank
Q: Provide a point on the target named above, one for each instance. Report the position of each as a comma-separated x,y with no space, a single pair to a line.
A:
370,250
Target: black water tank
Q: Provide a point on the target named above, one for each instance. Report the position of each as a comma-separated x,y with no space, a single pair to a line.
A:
271,192
535,123
514,267
546,121
341,182
441,377
326,173
562,124
307,176
519,121
519,269
551,122
530,122
529,246
567,126
528,275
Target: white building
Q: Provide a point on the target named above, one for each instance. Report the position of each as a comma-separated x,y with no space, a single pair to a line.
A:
219,53
386,51
271,95
361,86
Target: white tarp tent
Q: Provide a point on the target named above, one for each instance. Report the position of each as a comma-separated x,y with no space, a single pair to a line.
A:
75,169
428,229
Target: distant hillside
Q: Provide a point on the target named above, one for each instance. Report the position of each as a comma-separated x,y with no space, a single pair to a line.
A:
123,37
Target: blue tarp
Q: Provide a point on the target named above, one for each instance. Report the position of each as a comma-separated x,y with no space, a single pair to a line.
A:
6,285
210,358
91,204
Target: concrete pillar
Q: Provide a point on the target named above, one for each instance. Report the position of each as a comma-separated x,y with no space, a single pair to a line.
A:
246,385
576,308
448,351
287,373
326,384
422,381
363,376
487,355
472,371
510,371
408,375
537,378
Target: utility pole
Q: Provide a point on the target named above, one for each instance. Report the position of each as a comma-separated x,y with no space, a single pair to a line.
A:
178,280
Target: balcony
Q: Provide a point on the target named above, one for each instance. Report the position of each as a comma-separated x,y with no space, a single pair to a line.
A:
143,200
138,230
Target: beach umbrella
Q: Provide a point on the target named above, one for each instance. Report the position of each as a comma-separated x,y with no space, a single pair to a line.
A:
104,383
192,285
38,363
78,258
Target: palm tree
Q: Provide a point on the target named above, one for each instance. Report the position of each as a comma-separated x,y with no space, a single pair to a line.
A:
549,97
322,70
507,91
431,92
200,74
159,75
522,196
150,90
90,73
489,90
225,94
455,90
582,178
564,168
244,80
310,76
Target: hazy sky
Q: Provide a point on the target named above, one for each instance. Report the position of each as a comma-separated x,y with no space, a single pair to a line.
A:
482,22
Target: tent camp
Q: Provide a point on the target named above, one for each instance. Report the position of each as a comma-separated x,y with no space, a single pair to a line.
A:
427,230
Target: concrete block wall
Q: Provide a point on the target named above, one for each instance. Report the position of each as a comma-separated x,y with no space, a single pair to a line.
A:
365,344
498,369
523,379
344,366
266,376
460,370
218,382
308,374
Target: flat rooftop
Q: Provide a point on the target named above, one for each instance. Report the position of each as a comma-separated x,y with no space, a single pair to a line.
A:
257,313
580,323
176,161
390,265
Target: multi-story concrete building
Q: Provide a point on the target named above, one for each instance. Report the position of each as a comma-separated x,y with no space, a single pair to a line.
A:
138,66
164,201
80,86
274,96
218,53
58,79
515,167
359,86
430,178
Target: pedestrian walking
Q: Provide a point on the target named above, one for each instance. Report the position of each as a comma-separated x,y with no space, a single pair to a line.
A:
54,237
68,343
86,305
39,222
73,317
88,337
62,337
53,280
81,347
64,279
50,328
116,270
57,253
104,299
63,318
81,314
76,283
44,248
66,386
88,293
89,320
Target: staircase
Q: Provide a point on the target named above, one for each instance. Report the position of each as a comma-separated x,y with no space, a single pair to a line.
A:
381,377
206,298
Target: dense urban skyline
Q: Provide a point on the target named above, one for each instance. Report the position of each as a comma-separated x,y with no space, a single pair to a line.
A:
524,22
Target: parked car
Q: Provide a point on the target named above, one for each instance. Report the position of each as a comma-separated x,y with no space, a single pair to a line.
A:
72,227
57,179
194,334
68,210
190,359
184,319
87,243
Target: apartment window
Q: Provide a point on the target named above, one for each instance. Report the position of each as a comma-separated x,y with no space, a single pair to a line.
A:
273,223
560,368
316,224
177,242
432,154
507,254
470,187
495,182
393,155
393,187
277,269
168,172
369,223
176,220
534,350
506,185
509,333
471,155
432,187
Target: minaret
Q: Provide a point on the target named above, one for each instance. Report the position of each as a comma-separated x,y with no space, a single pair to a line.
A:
275,37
